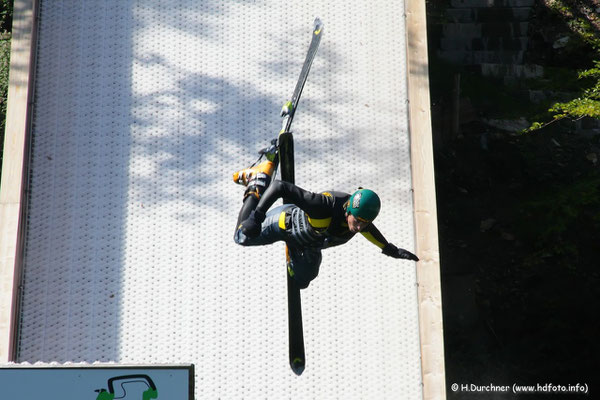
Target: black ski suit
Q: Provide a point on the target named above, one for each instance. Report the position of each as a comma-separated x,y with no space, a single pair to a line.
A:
310,222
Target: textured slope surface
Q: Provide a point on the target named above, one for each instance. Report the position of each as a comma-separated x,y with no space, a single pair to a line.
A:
142,112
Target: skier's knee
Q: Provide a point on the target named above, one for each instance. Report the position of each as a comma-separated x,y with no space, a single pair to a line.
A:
240,238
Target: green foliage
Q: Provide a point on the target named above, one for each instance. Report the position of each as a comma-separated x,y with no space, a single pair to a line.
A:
587,105
583,21
577,108
6,11
4,66
580,17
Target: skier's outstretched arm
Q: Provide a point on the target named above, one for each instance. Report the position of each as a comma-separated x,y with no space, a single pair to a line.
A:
374,236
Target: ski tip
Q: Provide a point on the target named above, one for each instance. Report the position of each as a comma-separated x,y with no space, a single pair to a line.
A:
297,366
318,26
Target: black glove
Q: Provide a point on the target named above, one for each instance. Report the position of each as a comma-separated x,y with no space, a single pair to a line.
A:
251,225
393,251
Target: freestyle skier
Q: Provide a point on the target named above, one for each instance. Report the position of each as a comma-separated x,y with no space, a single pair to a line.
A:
309,222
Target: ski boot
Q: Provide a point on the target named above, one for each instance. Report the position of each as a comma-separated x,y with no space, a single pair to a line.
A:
258,177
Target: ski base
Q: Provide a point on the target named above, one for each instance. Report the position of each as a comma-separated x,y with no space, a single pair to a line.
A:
296,335
286,160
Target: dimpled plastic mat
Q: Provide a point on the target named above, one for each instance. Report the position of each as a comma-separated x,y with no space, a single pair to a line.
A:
142,112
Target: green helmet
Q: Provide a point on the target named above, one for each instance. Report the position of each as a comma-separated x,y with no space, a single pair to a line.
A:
364,204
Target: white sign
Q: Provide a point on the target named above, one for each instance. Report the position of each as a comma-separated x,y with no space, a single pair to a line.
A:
97,382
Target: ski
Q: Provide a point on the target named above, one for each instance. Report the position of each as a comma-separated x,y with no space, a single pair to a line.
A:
289,108
286,161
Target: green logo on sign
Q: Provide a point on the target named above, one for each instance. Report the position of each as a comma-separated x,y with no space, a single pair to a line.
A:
150,393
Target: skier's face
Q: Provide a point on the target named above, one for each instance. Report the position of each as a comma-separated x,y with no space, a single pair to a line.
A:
354,224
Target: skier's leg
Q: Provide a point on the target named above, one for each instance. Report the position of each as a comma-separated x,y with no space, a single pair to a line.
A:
256,179
250,203
304,264
271,232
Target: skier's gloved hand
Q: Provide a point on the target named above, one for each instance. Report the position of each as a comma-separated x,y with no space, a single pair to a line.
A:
393,251
251,226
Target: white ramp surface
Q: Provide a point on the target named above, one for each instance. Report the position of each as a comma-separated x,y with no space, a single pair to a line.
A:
142,112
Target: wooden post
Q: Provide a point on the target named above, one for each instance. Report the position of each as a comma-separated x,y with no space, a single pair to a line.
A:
426,234
14,172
